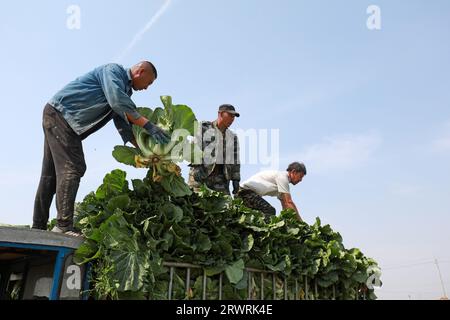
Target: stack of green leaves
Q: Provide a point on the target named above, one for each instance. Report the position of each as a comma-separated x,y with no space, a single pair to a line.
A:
130,232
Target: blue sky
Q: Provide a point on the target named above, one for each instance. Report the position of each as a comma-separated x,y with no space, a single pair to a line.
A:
368,111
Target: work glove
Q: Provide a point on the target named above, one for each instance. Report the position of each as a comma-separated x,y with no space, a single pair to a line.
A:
157,133
235,186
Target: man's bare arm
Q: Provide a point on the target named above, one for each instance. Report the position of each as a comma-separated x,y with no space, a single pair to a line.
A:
288,203
141,121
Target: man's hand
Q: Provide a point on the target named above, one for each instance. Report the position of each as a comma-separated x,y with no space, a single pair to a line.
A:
157,133
288,203
235,186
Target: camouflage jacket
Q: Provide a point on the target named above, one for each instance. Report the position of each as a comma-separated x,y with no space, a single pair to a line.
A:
219,150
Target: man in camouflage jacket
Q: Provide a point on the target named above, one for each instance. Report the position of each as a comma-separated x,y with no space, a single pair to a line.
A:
220,162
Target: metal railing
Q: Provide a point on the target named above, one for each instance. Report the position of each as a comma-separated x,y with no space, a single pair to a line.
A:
288,291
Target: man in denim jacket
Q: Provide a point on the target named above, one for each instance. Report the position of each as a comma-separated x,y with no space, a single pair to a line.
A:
81,108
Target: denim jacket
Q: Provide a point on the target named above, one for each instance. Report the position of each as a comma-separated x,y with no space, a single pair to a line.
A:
93,99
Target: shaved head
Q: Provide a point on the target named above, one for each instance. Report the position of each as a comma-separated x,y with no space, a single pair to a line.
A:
148,66
143,74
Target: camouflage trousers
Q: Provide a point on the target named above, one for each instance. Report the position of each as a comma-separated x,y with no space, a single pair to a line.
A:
215,181
253,200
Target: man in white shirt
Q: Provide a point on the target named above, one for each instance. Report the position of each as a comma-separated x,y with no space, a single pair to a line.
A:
272,183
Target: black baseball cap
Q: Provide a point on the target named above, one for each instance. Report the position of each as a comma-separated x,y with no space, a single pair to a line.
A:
229,108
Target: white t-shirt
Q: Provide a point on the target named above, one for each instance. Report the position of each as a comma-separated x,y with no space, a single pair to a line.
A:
268,183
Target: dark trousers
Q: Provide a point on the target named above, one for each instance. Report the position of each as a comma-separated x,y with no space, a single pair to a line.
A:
62,168
253,200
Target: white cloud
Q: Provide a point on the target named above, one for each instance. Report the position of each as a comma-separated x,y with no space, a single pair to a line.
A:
340,152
